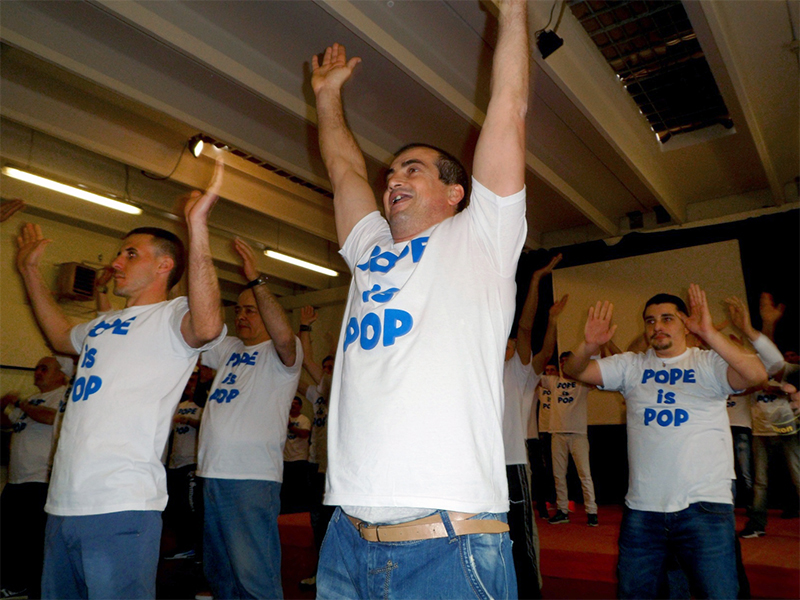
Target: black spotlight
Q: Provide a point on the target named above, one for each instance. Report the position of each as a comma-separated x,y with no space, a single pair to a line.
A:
196,145
548,42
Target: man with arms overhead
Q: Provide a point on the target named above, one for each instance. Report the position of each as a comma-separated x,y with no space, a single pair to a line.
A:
679,442
108,486
415,427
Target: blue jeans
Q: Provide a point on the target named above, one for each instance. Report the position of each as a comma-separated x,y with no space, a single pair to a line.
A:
114,555
467,566
701,537
241,546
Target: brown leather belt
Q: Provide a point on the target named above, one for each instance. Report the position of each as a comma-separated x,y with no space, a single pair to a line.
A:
426,528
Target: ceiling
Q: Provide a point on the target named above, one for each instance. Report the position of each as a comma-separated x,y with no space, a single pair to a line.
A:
99,92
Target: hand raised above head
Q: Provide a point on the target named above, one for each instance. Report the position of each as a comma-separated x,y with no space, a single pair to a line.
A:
334,70
30,246
244,250
307,315
598,329
199,204
698,321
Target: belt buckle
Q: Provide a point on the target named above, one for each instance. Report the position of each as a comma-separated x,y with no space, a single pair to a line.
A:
362,525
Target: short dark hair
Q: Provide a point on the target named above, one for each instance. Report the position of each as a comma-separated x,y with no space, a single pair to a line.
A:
167,243
327,358
564,355
451,171
666,299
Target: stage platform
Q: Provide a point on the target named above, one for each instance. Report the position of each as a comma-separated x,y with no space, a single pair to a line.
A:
578,561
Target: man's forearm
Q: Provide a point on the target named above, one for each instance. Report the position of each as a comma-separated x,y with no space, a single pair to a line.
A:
308,356
338,146
548,347
579,360
277,324
746,365
500,153
204,294
51,318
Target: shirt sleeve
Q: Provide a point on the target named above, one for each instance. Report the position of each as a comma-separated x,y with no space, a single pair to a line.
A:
500,225
180,306
371,230
613,370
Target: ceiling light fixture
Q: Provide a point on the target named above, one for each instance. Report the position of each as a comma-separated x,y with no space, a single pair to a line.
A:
546,39
71,191
300,263
195,144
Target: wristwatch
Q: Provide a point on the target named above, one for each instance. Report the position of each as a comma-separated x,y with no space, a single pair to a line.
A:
260,280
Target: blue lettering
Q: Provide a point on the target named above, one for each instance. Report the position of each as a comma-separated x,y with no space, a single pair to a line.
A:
382,262
666,417
351,333
648,374
681,416
234,359
84,388
418,246
231,395
662,377
675,375
396,323
121,327
688,376
89,358
373,322
230,379
669,398
649,415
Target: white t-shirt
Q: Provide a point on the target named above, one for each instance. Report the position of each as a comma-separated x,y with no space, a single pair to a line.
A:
568,404
133,368
772,412
296,447
184,437
417,397
317,395
679,440
739,411
545,409
32,441
244,422
519,383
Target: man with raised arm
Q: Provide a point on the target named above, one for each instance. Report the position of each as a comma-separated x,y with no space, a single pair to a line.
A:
108,486
679,442
521,373
415,429
242,436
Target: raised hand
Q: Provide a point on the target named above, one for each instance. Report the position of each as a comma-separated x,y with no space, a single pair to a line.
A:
559,306
307,315
199,204
248,258
740,316
769,311
334,71
9,207
699,319
30,247
598,329
548,268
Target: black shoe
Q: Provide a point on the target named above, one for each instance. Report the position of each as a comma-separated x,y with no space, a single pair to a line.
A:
751,532
558,518
591,520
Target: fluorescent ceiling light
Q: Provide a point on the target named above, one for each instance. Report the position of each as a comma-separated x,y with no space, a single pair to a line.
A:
71,191
300,263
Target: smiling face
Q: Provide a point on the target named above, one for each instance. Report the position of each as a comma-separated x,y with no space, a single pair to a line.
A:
664,330
140,267
249,325
416,198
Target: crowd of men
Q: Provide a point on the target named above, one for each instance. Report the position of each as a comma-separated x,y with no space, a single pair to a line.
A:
424,412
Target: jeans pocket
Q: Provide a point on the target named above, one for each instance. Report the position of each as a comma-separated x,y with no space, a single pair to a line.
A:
715,508
486,558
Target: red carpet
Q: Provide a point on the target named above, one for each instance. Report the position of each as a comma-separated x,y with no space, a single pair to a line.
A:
577,561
